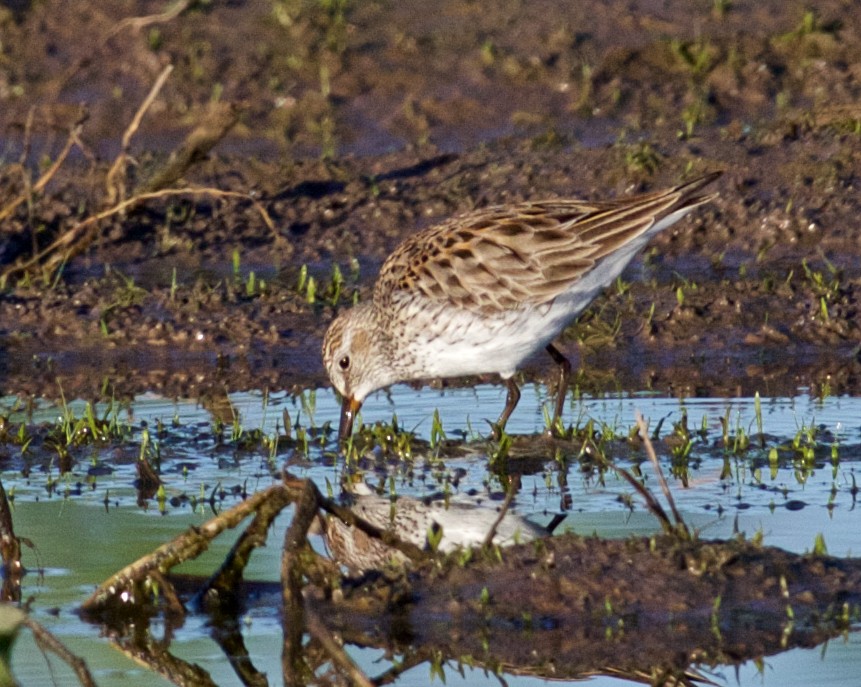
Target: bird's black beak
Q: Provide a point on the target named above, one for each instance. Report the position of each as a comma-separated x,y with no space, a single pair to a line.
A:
349,408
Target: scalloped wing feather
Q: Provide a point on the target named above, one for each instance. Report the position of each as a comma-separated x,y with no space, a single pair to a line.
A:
501,258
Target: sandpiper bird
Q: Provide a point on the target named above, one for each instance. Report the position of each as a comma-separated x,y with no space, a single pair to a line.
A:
481,292
458,523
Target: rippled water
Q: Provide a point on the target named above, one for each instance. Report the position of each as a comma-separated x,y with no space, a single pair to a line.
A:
90,524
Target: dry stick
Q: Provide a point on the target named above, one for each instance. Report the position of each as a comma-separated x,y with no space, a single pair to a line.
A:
187,545
232,645
651,502
650,451
298,615
335,651
136,23
406,663
48,642
71,235
115,178
141,22
293,664
225,579
49,173
513,488
10,549
28,136
172,601
159,660
219,120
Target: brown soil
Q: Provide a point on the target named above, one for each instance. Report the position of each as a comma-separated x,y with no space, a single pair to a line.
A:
571,607
362,122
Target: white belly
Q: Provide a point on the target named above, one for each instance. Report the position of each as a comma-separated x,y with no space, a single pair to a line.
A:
456,344
453,342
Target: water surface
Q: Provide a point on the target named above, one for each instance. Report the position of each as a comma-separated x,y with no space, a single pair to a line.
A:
91,523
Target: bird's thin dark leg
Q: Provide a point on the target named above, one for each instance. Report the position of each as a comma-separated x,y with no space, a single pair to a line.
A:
510,404
564,375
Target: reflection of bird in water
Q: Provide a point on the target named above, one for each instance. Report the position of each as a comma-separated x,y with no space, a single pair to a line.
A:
456,524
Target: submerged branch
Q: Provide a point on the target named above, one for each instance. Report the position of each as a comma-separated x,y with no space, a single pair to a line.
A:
48,642
120,588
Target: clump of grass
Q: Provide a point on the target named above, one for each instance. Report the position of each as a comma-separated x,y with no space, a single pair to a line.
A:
437,433
697,57
333,290
126,295
640,157
720,8
251,285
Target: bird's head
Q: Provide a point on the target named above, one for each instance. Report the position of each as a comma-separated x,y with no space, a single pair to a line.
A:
355,360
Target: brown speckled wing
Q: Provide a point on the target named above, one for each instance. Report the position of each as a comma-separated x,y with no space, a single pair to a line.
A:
501,258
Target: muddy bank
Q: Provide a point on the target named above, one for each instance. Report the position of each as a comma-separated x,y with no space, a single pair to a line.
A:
362,123
756,292
568,607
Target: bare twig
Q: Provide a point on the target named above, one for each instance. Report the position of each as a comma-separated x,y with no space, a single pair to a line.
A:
10,549
650,451
215,125
225,579
335,651
77,238
157,657
115,179
293,662
187,545
513,488
48,642
134,23
48,174
652,503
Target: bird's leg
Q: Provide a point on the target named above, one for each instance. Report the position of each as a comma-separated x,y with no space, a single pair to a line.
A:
564,375
511,400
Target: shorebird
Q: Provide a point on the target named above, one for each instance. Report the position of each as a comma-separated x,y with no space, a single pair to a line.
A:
481,292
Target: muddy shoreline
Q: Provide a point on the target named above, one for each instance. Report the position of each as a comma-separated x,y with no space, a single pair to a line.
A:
758,291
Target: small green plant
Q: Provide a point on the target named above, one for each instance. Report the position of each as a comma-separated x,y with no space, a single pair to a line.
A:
125,295
311,291
715,618
434,537
757,409
696,57
720,8
437,433
641,158
694,113
173,286
335,285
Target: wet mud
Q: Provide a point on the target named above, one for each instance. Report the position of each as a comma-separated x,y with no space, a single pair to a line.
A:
362,123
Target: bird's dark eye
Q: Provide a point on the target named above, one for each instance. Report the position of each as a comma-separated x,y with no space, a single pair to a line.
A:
344,362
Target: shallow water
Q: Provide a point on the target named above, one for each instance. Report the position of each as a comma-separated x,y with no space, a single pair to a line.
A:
790,504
